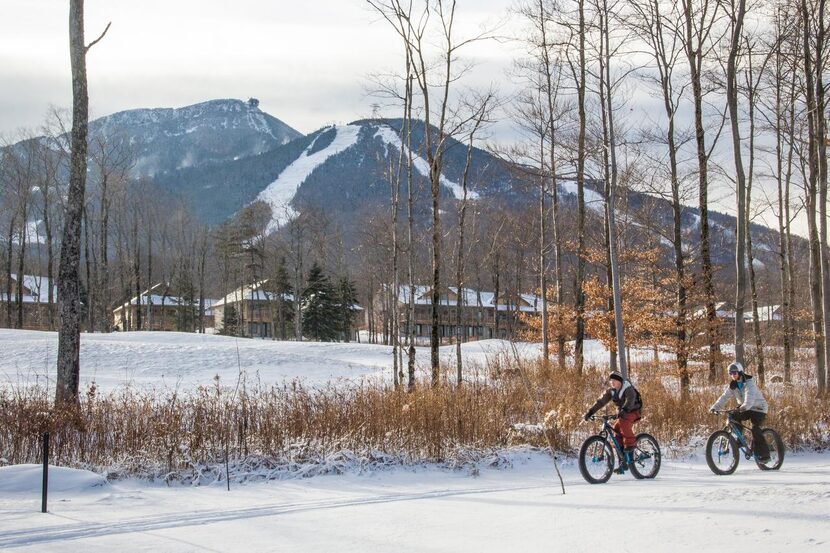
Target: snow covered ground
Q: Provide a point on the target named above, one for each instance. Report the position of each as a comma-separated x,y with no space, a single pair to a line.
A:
518,507
185,360
423,508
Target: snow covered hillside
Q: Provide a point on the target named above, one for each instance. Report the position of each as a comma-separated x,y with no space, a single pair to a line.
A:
517,506
185,360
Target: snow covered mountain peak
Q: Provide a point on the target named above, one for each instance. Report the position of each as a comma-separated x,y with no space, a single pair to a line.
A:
167,139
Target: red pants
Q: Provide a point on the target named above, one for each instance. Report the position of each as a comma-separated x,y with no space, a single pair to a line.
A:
624,428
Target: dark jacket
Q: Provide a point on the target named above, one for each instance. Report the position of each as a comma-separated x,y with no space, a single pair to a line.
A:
627,399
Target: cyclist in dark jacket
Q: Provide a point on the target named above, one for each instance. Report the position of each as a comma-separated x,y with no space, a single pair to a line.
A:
751,406
627,399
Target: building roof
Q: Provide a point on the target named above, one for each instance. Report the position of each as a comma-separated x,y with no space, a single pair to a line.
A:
765,313
158,295
423,296
35,289
724,310
251,292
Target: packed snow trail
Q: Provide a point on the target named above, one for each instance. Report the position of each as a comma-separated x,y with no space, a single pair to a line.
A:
686,509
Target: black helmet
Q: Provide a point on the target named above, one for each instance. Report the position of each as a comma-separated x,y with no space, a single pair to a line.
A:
615,375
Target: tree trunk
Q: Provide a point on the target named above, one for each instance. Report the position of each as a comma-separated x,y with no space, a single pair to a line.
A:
69,292
783,206
8,275
543,276
811,193
579,293
753,291
740,180
821,142
611,199
694,54
21,256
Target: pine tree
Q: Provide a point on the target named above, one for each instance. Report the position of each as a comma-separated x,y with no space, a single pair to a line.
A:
319,303
347,296
282,289
230,321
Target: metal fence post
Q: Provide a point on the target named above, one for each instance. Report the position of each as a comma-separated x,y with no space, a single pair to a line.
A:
45,472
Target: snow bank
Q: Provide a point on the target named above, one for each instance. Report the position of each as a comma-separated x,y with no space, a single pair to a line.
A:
27,479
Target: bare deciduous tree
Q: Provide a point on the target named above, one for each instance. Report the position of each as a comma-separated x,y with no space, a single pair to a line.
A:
69,286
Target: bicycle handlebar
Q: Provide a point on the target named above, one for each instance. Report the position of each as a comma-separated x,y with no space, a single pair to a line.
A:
602,417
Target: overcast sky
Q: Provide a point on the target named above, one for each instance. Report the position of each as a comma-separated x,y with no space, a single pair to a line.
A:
306,61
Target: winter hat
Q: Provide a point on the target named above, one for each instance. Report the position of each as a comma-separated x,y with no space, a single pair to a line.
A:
615,375
735,367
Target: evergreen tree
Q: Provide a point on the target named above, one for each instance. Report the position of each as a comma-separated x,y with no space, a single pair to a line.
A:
281,287
230,321
187,310
347,296
319,303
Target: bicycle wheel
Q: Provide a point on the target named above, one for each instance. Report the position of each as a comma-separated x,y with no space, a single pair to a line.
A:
645,462
722,453
776,451
596,460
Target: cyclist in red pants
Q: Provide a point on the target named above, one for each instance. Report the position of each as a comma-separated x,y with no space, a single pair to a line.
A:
627,399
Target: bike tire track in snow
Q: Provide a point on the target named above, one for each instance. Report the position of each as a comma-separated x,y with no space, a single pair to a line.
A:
83,530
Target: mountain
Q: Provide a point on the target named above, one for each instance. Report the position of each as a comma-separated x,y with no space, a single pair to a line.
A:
345,171
222,155
163,140
343,168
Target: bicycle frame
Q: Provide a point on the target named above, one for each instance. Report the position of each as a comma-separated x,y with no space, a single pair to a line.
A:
608,432
738,431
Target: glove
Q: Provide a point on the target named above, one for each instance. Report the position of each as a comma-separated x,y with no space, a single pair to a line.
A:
587,416
713,410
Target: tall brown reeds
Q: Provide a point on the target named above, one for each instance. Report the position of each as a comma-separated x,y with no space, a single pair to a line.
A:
156,433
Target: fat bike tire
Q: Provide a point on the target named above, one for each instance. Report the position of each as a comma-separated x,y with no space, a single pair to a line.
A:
722,454
776,450
596,460
645,462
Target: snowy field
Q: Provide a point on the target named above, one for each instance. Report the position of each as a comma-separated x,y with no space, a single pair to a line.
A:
518,507
184,360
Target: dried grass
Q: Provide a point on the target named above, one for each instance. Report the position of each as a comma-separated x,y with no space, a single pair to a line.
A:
285,430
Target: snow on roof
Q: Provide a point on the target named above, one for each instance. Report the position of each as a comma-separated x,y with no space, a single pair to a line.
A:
470,297
168,300
250,292
725,310
722,310
37,287
765,313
